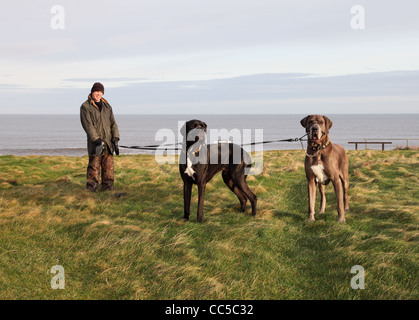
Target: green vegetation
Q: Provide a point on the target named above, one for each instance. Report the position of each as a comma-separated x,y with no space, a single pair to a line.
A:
138,247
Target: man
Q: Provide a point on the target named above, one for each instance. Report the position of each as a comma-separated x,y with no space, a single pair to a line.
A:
102,132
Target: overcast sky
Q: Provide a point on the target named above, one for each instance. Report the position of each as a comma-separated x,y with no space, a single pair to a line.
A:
211,56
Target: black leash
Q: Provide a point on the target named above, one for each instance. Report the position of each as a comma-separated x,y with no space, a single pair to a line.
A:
151,147
272,141
155,147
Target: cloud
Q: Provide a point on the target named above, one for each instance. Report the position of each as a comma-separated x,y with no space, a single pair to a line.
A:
166,56
275,86
117,81
43,48
381,92
165,27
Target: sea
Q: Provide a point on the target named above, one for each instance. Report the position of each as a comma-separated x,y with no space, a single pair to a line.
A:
63,135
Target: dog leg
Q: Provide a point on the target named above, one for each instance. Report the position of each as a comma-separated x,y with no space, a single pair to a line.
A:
345,184
322,189
337,183
187,191
243,187
201,196
311,199
229,182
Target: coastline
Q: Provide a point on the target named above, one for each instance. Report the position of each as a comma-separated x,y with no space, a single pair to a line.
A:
65,152
62,135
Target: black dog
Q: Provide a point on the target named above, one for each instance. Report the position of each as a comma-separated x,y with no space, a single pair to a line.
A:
198,167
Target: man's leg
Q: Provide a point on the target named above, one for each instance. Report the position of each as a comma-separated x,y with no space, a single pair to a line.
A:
107,172
93,170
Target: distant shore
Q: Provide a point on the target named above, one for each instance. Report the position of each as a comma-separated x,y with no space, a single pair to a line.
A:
65,152
81,152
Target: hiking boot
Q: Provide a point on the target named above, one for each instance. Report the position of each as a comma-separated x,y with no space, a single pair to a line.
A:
107,188
92,186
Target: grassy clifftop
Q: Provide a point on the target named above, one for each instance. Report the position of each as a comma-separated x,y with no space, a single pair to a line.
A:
138,247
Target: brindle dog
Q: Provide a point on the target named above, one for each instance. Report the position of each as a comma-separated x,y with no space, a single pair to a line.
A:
325,162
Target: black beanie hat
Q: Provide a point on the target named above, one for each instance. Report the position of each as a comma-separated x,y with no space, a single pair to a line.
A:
98,87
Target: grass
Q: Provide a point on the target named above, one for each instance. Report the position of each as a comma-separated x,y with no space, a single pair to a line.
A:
138,246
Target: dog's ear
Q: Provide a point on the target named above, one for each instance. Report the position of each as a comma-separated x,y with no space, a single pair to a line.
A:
328,123
304,121
183,130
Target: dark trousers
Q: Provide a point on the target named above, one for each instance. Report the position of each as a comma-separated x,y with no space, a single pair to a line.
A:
96,163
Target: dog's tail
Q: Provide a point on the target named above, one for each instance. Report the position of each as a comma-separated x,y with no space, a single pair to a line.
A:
247,159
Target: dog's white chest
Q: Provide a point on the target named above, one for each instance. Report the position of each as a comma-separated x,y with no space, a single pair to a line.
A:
318,171
189,171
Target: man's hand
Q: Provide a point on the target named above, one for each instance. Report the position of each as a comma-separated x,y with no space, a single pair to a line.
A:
116,146
99,146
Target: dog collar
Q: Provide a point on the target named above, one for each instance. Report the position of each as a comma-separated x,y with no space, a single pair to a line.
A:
317,147
196,151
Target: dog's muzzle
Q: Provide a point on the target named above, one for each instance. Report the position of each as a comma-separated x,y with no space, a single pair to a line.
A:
197,134
315,133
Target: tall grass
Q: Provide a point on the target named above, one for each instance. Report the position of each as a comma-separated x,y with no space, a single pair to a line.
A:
138,247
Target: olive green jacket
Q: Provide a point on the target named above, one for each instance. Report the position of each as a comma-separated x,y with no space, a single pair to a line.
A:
98,124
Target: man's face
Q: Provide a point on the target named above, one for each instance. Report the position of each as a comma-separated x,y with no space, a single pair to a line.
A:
97,95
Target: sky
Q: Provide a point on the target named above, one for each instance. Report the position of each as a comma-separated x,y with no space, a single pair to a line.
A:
210,56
